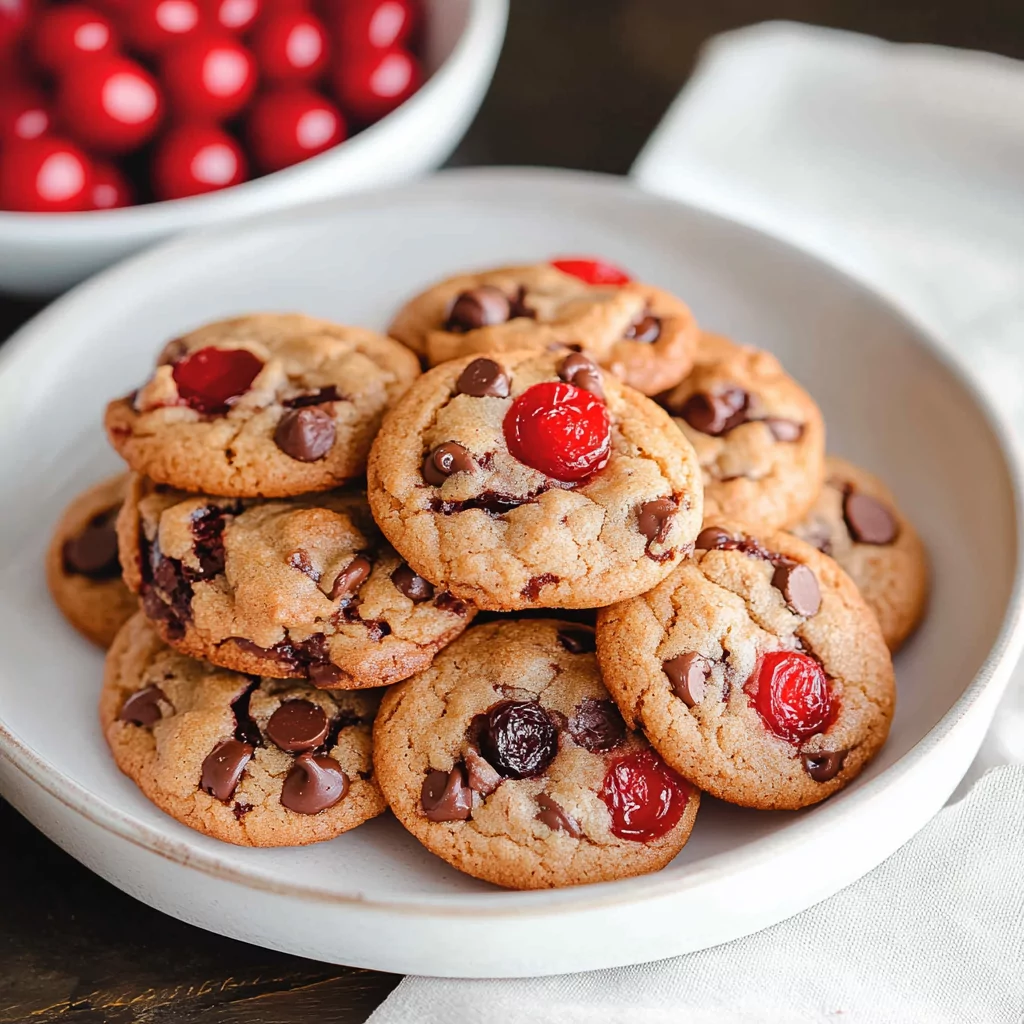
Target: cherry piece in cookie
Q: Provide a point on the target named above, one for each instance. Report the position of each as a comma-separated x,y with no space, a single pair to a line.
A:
519,739
644,796
792,696
560,430
210,379
592,271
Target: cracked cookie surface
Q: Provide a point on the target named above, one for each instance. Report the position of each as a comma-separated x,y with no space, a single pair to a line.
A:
214,749
267,405
82,567
508,759
480,522
756,670
295,588
643,335
759,436
856,520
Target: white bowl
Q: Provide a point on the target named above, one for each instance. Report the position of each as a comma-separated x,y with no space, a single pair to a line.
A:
375,898
42,254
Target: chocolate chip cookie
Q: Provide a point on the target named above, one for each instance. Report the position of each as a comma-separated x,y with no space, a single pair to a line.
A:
642,334
759,436
533,479
294,588
857,522
82,568
268,405
508,759
756,670
255,762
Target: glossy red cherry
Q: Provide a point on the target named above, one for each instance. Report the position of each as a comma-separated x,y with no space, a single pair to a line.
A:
154,26
110,188
193,159
14,18
210,78
372,24
644,797
111,104
291,46
23,113
232,15
65,34
792,696
45,175
559,429
372,84
592,271
289,125
211,379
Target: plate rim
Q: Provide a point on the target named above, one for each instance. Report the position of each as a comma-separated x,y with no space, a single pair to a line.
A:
503,903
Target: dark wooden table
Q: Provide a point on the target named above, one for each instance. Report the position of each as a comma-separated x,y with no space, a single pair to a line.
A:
581,83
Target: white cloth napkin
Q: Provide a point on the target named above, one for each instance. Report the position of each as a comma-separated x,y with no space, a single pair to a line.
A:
905,166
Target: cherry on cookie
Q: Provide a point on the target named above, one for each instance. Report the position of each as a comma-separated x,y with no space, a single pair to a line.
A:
791,694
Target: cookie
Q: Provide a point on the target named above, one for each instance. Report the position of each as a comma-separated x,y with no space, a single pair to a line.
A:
756,670
642,334
82,568
534,480
294,588
268,405
255,762
758,435
857,522
508,759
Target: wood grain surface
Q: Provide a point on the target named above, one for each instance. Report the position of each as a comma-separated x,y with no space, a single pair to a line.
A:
581,83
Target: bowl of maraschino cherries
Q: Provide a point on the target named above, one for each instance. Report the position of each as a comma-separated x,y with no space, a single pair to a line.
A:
125,120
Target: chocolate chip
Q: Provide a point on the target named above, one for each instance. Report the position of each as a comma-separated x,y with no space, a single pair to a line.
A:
716,413
518,739
688,676
305,434
799,587
482,777
326,676
351,578
535,584
299,559
93,553
298,725
784,430
483,378
476,308
646,330
223,768
654,518
517,306
445,796
553,815
416,588
712,538
824,766
868,520
596,725
577,639
318,397
582,372
143,706
315,783
446,459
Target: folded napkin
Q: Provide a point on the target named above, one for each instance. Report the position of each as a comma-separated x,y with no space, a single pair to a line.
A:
905,166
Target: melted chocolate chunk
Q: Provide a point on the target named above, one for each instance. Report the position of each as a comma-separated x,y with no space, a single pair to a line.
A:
654,519
646,330
446,602
824,766
582,372
143,706
93,552
552,814
716,413
536,583
868,520
208,532
445,796
314,783
578,639
596,725
223,768
490,502
306,434
298,725
351,578
327,394
688,677
414,587
478,307
799,587
517,306
483,378
326,677
446,459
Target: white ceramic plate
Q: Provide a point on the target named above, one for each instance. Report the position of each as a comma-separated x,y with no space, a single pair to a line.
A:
374,898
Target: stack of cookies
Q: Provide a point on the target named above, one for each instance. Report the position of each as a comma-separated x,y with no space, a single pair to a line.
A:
677,592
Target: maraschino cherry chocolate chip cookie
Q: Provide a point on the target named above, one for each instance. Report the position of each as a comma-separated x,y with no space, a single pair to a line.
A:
82,567
508,759
294,588
642,334
532,479
756,670
255,762
857,522
759,436
268,405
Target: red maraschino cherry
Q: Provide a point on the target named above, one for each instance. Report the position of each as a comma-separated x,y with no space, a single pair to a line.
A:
791,694
644,797
210,379
592,271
